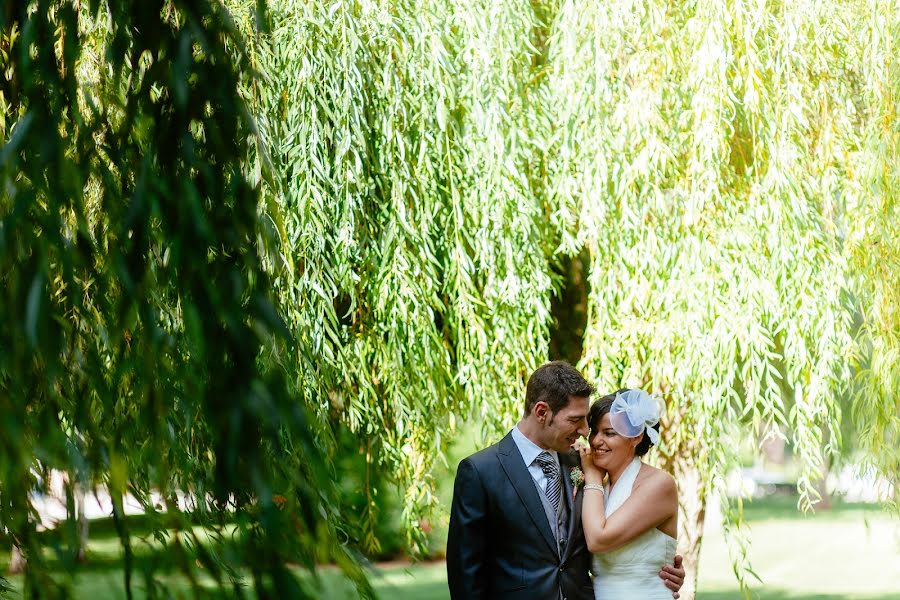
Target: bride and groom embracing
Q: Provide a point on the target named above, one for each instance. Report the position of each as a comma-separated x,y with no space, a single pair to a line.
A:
532,518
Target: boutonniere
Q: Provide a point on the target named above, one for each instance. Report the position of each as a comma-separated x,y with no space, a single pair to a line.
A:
576,475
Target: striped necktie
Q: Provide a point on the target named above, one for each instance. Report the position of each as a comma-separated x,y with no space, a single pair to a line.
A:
550,468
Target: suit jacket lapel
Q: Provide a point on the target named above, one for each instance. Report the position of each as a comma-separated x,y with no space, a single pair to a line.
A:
512,462
575,512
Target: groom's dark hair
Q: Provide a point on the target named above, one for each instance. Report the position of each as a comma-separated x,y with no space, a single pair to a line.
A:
554,383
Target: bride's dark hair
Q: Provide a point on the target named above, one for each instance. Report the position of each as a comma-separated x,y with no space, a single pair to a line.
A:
601,407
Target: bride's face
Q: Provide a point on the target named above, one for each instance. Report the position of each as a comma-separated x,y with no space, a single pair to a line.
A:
610,450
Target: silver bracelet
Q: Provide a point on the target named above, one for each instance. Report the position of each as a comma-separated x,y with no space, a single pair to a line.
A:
593,486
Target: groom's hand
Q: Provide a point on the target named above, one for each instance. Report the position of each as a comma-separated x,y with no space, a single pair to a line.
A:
673,576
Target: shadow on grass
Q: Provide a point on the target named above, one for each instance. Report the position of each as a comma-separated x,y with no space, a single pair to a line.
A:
110,586
426,584
424,591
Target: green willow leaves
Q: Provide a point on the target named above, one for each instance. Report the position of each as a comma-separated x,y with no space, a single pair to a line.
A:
874,242
134,301
436,161
222,245
714,158
402,152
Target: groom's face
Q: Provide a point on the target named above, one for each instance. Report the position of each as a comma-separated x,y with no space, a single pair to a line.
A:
567,424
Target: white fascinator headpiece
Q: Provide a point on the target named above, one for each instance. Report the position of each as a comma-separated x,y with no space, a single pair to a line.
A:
635,411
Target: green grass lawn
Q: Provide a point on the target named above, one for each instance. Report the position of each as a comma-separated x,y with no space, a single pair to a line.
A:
850,552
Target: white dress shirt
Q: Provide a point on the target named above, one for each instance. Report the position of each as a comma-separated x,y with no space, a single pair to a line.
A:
529,451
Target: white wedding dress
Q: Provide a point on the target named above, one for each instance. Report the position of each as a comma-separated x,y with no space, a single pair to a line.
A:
632,571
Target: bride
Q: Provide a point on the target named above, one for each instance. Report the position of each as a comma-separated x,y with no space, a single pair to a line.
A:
630,524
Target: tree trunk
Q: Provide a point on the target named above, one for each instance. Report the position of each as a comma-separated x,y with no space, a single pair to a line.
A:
691,516
681,456
16,561
82,521
773,449
569,309
824,502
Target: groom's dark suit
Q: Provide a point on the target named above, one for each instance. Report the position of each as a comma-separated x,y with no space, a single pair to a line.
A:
500,543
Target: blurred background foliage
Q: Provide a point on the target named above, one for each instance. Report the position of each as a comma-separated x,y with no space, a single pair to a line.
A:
264,262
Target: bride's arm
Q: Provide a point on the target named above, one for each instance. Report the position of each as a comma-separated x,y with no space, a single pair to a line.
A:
649,506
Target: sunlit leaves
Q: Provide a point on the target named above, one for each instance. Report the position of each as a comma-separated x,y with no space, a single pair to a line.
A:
710,156
874,242
399,135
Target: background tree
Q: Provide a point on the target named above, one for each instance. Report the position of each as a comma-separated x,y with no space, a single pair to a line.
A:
406,170
874,244
708,157
702,161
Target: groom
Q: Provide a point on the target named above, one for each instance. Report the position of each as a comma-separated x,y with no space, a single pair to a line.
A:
515,527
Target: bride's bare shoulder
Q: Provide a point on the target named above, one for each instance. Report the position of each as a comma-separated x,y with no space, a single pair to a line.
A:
657,478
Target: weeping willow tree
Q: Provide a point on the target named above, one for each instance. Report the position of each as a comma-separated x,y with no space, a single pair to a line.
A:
434,161
412,180
713,159
706,155
135,303
407,172
874,243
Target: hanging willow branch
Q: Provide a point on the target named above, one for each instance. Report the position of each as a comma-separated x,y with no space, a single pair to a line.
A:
706,157
403,155
135,305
